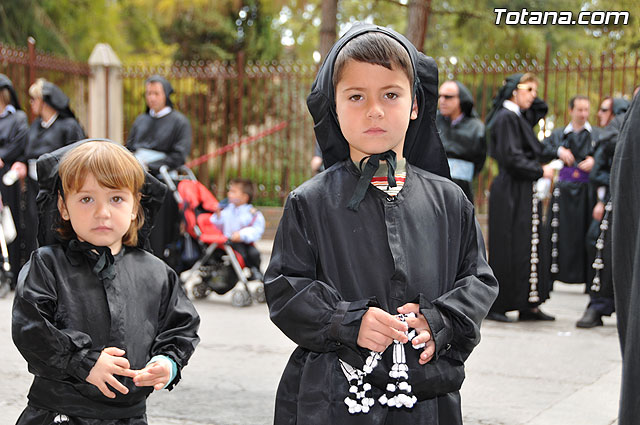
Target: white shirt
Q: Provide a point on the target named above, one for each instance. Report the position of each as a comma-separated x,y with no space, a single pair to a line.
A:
161,113
512,106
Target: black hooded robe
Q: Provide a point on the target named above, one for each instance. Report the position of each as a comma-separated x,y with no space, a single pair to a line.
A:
64,131
600,177
465,140
576,202
519,156
625,237
171,135
329,264
65,314
13,138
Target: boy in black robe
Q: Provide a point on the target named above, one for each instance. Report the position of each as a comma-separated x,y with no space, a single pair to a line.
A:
462,134
350,255
55,126
165,135
13,138
100,321
574,145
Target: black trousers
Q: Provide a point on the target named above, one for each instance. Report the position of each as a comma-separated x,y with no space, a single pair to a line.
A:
35,416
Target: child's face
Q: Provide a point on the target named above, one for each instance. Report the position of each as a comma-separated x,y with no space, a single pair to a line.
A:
236,196
99,215
374,108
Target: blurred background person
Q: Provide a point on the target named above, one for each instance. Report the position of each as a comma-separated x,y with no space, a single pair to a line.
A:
55,126
519,154
462,134
598,241
161,136
13,138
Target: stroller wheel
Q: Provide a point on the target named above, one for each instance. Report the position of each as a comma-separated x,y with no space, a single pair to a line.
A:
240,298
200,291
258,294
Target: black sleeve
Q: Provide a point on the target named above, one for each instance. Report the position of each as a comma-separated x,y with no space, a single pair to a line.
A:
178,326
600,173
310,312
550,147
180,148
73,132
480,143
508,144
49,351
17,139
456,330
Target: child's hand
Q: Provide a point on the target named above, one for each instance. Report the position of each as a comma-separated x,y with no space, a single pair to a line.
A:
156,374
378,329
110,363
420,324
235,237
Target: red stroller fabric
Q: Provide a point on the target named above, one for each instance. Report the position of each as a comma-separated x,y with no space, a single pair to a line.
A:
198,204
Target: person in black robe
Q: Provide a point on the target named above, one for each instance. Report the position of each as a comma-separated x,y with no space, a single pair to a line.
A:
572,202
599,281
348,256
80,306
462,134
13,138
513,225
161,136
55,126
625,242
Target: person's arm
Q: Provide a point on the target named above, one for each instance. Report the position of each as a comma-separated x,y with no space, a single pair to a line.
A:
180,147
508,143
17,139
177,327
454,317
254,231
312,313
51,352
480,143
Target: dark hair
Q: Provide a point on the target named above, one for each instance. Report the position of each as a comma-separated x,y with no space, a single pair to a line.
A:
377,49
572,101
246,185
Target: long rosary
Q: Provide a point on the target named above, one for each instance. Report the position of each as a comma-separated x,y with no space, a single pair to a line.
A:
398,390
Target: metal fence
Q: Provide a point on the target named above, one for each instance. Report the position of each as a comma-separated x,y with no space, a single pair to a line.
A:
23,65
226,104
229,104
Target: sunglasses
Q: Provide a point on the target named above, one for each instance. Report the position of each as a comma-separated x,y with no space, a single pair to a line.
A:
604,109
526,87
447,96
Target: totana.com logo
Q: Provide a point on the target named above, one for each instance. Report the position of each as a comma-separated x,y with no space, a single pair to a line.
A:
562,17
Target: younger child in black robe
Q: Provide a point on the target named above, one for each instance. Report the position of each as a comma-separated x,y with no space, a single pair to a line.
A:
100,321
349,256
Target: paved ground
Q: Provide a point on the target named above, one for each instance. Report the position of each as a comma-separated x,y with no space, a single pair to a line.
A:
521,373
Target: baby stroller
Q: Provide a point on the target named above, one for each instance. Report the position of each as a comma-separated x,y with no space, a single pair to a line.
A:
218,268
7,235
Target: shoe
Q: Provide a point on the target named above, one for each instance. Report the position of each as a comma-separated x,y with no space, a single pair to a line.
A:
256,274
590,319
499,317
534,315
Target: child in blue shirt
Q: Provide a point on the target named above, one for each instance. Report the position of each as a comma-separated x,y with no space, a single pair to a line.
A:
242,223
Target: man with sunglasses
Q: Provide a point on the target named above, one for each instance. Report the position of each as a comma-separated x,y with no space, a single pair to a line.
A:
599,278
570,215
462,134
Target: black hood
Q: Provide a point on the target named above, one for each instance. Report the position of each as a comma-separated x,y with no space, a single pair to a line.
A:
536,111
422,146
166,85
153,193
54,97
5,82
619,105
466,100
